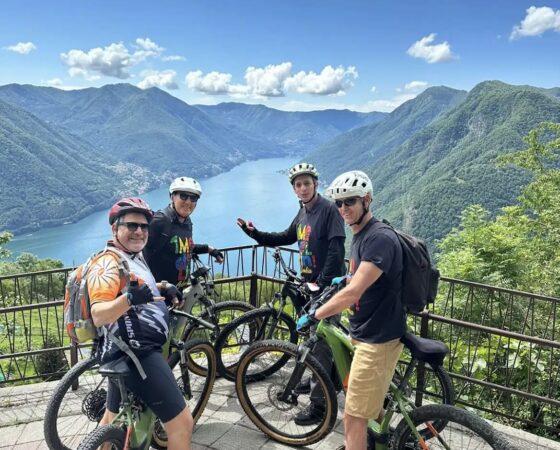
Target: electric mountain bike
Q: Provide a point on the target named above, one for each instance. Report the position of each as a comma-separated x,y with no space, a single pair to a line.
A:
136,427
272,402
268,322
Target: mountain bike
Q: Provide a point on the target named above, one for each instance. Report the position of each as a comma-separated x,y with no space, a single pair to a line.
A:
78,401
272,402
213,315
136,426
270,321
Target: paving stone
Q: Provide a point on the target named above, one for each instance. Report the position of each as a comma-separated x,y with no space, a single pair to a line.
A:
241,438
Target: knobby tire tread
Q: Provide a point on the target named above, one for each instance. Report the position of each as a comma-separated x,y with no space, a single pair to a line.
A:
331,402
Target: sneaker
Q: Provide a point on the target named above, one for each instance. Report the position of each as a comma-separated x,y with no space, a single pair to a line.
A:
304,386
310,416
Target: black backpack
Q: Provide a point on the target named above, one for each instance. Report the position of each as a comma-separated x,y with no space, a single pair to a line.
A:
419,276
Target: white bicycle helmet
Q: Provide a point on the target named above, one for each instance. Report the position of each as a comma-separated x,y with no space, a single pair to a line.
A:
302,169
350,184
185,184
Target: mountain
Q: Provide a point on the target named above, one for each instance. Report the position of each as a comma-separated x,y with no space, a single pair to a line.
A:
427,181
146,127
50,176
295,132
363,146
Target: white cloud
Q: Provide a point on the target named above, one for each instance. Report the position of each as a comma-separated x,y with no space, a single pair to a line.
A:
112,60
330,81
373,89
212,83
268,81
173,58
432,53
415,86
54,82
162,79
274,81
536,22
148,45
23,48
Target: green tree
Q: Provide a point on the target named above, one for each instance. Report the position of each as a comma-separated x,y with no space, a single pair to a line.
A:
517,249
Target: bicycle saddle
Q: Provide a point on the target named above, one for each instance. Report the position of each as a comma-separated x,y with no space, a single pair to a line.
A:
427,350
117,368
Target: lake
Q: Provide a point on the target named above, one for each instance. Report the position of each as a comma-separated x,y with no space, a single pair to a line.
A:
254,190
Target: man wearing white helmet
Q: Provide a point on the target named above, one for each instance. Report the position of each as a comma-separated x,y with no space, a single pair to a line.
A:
373,294
170,243
317,228
319,231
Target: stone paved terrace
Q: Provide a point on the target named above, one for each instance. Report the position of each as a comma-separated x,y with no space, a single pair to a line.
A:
222,426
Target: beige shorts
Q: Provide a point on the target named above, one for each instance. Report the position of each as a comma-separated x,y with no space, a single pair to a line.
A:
372,369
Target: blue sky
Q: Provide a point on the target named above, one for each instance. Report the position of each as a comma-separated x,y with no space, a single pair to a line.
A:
363,55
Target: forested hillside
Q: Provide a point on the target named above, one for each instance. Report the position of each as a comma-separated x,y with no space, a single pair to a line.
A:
50,176
425,183
366,145
147,127
295,132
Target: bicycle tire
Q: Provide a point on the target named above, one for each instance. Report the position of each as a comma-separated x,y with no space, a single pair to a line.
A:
159,438
437,389
261,408
226,312
463,429
243,331
106,434
65,424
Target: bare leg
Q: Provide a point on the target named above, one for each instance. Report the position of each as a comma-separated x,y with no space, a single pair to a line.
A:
355,432
179,431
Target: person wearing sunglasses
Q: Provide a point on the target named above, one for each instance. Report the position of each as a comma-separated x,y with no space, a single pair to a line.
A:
373,294
170,242
131,309
319,231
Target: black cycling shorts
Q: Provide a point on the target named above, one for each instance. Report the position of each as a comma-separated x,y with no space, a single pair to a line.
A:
159,391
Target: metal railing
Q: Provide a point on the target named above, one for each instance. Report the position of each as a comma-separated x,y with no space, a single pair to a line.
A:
504,350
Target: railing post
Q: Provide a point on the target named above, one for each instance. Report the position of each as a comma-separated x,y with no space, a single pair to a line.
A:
421,369
74,361
253,289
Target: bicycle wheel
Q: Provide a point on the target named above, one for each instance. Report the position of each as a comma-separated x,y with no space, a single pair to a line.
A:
463,430
261,400
255,325
112,437
195,388
225,312
72,413
433,387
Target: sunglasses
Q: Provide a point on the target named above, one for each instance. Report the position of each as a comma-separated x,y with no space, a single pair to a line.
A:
133,226
192,197
347,202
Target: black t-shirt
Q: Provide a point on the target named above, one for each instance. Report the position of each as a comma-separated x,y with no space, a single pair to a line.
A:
169,248
314,229
379,315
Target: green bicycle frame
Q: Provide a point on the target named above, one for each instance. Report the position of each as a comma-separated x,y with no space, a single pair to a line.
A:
343,352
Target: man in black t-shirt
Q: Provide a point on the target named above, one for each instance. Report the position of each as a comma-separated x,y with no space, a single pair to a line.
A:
319,231
373,294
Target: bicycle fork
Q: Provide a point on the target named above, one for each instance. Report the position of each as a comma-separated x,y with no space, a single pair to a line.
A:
287,395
